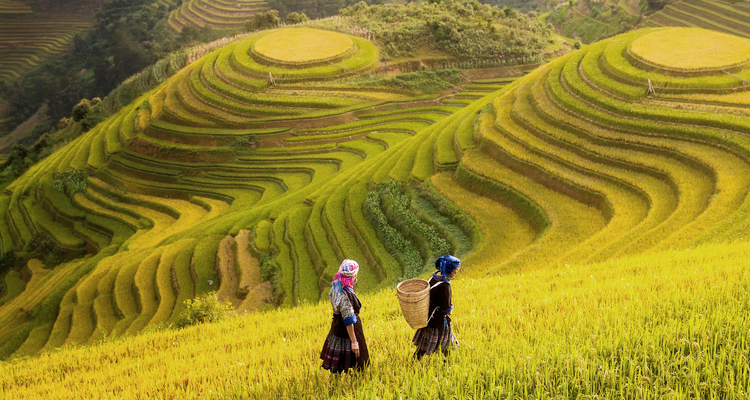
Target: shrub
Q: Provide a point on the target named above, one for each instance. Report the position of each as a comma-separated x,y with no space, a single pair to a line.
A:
269,271
295,18
265,20
457,27
81,110
396,204
403,250
207,308
7,262
71,182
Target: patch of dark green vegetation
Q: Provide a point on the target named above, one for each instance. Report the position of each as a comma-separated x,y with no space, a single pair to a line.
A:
466,29
591,21
419,81
403,250
269,271
128,37
416,224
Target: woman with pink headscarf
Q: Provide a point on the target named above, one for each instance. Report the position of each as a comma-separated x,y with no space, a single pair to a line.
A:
345,346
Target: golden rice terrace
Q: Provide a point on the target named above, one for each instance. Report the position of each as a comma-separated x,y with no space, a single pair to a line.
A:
688,49
620,148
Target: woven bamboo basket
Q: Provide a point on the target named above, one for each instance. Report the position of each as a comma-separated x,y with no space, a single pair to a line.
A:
414,299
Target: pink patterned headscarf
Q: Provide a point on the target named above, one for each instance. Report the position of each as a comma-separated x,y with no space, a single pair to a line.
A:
345,276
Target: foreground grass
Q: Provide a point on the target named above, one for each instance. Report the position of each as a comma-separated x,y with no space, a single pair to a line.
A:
671,325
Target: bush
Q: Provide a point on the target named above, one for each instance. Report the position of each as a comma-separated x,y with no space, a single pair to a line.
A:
465,29
269,270
295,18
71,182
656,5
7,262
418,81
403,250
397,207
81,110
207,308
265,20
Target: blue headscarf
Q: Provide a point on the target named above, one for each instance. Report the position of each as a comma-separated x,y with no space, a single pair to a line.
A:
446,265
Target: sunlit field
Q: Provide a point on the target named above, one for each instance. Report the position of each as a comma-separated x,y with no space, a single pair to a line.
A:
667,325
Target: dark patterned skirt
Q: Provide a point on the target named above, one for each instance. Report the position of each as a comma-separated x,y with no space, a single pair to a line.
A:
337,354
429,339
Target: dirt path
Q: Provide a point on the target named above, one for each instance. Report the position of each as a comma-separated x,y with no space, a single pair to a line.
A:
229,281
259,292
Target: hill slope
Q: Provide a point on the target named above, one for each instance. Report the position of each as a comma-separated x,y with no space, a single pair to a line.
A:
223,170
215,181
593,21
707,14
665,324
213,13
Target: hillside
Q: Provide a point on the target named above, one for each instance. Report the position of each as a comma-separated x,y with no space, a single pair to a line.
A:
204,181
596,20
219,14
32,33
717,15
36,31
653,326
215,180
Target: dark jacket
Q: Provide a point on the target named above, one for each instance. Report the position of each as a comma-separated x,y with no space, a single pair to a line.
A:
441,299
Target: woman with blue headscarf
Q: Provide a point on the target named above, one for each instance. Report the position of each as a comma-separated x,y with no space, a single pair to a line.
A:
438,332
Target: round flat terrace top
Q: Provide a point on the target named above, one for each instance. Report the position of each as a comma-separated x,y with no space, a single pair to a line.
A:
302,45
691,49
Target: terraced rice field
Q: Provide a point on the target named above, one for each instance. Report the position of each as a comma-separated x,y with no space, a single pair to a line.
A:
194,183
4,116
26,43
691,49
219,14
11,7
707,14
190,184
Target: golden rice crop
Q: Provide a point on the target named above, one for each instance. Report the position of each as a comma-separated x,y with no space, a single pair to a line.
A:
628,206
691,49
663,324
514,233
302,45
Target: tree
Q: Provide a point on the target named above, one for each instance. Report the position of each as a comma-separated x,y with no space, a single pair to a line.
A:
81,110
265,20
656,5
296,18
188,34
129,55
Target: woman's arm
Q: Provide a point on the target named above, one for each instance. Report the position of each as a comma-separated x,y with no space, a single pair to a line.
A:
344,307
353,338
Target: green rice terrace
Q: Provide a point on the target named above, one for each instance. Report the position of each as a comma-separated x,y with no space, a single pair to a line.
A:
220,14
26,43
11,7
596,20
728,17
253,172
